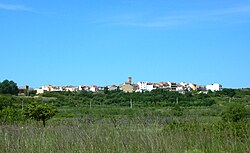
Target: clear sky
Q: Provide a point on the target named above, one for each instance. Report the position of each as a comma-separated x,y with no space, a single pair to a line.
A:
102,42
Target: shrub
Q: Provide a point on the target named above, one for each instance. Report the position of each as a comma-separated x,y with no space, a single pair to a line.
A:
234,113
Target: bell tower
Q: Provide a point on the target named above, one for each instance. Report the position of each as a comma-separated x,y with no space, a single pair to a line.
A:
130,80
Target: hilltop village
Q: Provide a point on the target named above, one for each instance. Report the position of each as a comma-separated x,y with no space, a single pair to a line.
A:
129,86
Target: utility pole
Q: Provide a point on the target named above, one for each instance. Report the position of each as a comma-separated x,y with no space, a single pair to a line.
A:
131,103
22,105
27,90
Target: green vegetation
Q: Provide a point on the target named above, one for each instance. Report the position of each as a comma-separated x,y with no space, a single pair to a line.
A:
156,98
234,113
8,87
159,121
40,112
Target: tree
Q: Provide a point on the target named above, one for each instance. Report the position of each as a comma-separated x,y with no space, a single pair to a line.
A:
106,90
8,87
229,92
234,113
40,112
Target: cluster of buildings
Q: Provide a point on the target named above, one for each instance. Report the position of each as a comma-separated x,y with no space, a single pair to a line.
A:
139,87
171,86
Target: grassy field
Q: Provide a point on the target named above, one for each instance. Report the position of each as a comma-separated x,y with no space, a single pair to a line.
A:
121,129
158,121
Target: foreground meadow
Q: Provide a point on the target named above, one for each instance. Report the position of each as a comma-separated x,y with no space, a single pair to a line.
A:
122,133
118,122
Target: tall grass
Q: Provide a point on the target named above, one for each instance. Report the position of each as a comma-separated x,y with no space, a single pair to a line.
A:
122,134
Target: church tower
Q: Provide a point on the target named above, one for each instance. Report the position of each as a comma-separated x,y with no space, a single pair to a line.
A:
130,80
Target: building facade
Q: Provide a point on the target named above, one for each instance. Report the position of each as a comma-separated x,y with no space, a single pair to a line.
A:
214,87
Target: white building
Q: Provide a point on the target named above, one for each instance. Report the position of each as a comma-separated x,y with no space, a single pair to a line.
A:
39,91
86,88
214,87
184,84
180,89
70,88
51,88
47,88
145,86
93,88
112,88
192,87
172,86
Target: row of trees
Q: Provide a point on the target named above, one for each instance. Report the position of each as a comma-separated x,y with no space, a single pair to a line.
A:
158,97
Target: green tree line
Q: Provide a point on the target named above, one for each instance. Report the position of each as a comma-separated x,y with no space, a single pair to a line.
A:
158,97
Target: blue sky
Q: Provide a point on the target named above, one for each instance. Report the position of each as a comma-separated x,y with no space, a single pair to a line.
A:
103,42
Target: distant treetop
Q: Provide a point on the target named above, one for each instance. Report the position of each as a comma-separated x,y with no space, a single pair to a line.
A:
8,87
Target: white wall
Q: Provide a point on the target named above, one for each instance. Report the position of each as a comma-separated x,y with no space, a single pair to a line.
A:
214,87
144,86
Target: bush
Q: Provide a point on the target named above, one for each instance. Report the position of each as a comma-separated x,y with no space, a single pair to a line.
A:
234,113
